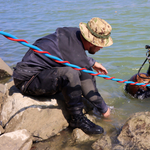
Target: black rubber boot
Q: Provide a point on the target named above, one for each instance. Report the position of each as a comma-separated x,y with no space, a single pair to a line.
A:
81,122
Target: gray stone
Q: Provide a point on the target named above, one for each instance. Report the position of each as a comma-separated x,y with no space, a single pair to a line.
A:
103,143
2,88
17,140
79,136
2,95
135,133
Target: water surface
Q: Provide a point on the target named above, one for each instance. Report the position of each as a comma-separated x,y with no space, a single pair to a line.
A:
129,19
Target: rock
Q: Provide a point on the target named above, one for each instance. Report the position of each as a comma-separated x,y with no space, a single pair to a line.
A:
79,136
135,133
2,95
17,140
118,147
43,117
5,70
10,89
2,88
1,130
103,143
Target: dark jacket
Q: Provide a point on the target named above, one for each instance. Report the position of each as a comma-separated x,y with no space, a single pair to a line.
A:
65,43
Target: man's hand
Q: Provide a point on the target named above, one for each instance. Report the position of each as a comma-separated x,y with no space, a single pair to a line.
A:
107,113
99,68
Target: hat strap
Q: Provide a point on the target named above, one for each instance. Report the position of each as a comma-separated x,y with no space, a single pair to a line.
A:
97,35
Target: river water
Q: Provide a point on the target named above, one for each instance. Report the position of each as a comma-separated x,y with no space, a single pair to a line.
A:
129,19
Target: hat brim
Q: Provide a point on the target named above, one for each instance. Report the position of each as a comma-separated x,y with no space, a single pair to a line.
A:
92,39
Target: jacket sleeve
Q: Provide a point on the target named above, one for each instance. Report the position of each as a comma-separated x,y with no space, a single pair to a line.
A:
91,61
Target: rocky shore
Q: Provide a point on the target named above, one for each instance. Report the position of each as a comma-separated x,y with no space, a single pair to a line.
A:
25,120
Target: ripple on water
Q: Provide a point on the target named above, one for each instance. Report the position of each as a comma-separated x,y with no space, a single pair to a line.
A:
31,19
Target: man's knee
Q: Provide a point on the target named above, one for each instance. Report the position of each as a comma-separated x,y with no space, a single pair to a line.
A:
72,75
68,71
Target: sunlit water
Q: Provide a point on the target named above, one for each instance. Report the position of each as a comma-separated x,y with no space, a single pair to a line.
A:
129,19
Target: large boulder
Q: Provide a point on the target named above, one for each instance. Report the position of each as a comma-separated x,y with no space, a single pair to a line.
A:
43,117
135,133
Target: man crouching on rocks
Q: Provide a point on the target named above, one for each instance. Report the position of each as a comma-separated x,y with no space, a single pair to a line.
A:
37,74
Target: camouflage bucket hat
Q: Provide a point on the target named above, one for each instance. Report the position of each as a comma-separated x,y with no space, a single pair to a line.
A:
97,31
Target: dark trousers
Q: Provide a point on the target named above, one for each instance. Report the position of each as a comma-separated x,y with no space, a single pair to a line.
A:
72,83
